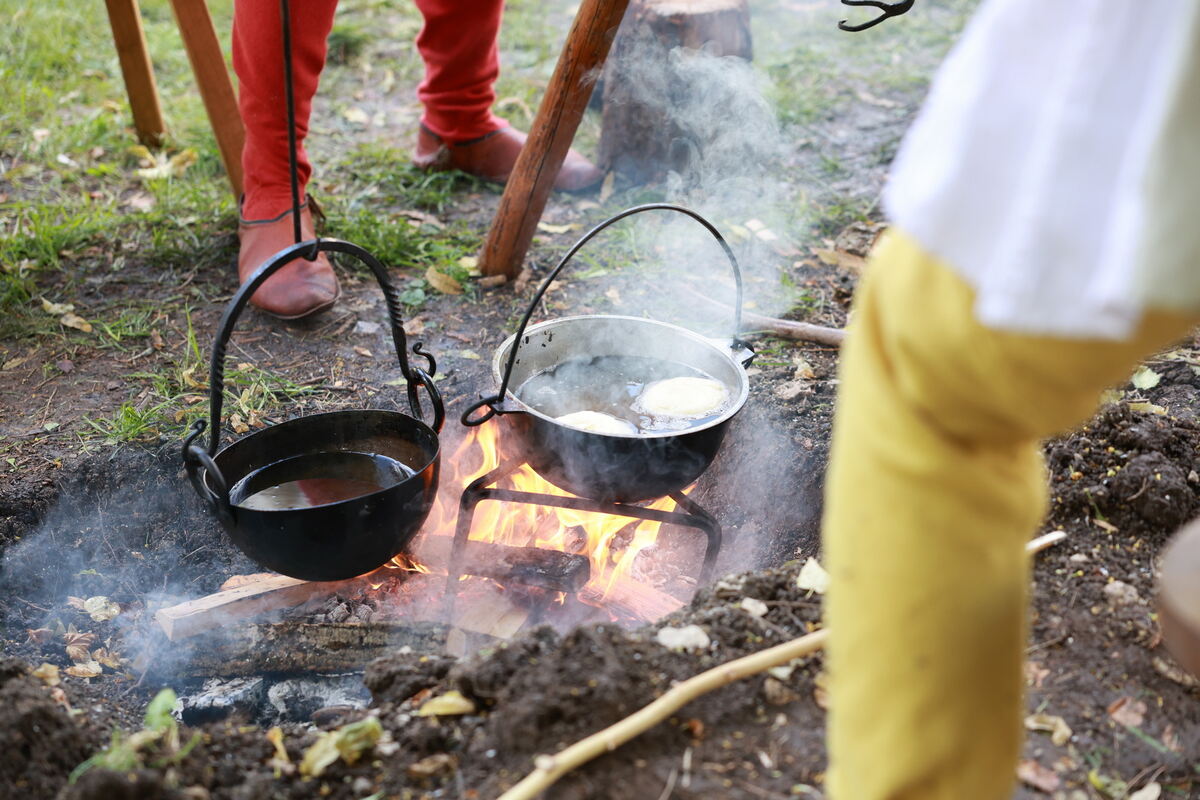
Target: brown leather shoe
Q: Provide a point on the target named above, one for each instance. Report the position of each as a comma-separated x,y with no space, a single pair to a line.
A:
492,157
300,288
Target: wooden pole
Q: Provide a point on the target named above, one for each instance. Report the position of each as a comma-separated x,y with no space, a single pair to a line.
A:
129,36
550,137
216,89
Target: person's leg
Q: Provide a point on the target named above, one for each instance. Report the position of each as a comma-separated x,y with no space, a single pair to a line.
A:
258,62
935,484
458,129
302,287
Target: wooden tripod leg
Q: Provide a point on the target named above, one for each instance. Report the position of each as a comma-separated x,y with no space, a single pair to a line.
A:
128,35
550,137
216,90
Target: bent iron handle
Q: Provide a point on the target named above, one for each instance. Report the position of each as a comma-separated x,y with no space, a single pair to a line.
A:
495,401
415,376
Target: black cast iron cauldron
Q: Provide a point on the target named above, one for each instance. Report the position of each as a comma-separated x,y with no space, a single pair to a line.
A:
367,477
615,467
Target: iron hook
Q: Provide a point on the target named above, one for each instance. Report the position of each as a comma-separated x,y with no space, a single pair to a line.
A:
888,9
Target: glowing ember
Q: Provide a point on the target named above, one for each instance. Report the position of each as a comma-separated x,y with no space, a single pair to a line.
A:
611,543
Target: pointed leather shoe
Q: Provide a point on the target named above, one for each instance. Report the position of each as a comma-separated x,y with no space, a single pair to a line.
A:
299,289
492,157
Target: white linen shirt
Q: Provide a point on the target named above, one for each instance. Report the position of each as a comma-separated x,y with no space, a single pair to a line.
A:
1056,164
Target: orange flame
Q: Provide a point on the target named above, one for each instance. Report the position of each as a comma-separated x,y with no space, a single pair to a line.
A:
612,543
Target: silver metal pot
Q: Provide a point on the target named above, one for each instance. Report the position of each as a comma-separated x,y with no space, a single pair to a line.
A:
614,467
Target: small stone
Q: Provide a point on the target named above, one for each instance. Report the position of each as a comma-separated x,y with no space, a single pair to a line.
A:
1120,593
366,327
777,693
1078,558
340,613
689,637
753,607
791,390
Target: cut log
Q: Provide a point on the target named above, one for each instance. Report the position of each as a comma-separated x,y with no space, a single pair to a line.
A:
290,647
531,566
634,599
786,328
528,566
638,137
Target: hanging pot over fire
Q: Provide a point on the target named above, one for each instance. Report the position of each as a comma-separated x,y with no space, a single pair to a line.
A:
614,408
328,496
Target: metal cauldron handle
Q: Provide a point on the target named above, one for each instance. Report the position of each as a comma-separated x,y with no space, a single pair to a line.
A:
197,458
495,402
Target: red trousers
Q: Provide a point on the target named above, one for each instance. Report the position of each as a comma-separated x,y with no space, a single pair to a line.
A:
457,43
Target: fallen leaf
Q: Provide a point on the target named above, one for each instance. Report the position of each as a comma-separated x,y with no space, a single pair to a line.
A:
100,608
1127,711
1060,732
450,704
47,674
40,134
75,602
65,365
1105,524
813,577
1035,674
364,352
1113,787
86,669
75,321
348,742
238,424
1145,378
550,228
470,354
1034,774
442,282
1148,408
163,166
156,340
606,188
13,363
356,115
470,264
109,658
1151,791
1170,739
871,99
430,766
39,635
140,201
78,644
57,309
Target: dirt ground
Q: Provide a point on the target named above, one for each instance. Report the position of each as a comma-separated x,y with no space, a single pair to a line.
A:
94,503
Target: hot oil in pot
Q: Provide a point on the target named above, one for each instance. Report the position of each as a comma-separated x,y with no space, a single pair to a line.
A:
317,479
610,385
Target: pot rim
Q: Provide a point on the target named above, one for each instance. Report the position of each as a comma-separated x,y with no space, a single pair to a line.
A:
417,473
501,355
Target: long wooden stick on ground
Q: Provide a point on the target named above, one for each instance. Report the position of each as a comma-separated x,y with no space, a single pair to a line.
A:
550,768
788,329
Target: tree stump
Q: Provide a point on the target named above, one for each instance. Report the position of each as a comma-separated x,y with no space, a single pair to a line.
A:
645,74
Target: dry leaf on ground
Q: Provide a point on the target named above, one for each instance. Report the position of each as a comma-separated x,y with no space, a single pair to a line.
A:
1034,774
450,704
1127,711
1057,727
442,282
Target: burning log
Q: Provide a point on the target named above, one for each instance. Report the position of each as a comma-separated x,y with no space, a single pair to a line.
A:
637,134
529,566
548,569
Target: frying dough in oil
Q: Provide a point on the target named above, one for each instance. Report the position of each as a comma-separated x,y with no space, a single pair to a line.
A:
682,397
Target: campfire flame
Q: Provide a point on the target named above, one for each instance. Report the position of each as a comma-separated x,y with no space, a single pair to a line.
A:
611,543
